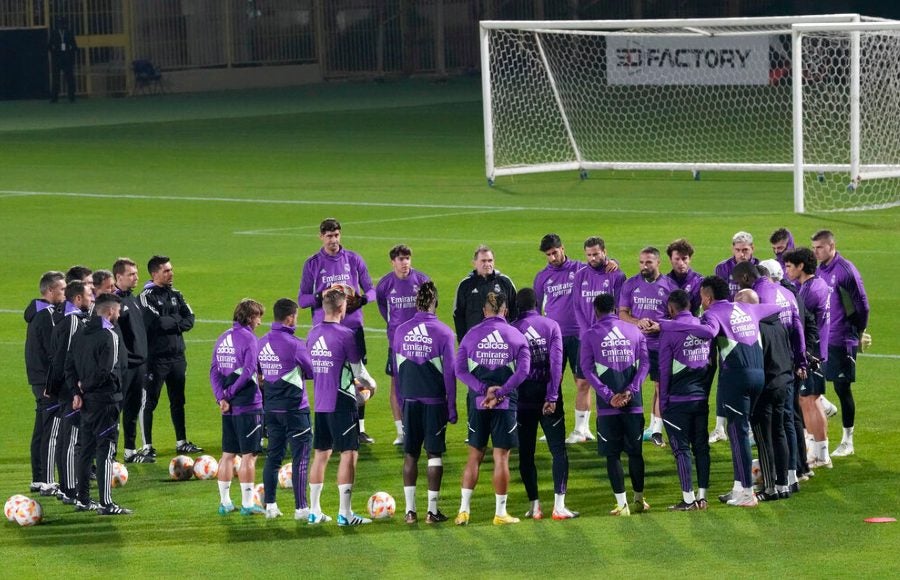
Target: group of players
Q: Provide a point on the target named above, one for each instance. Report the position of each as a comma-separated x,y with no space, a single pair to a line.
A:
774,340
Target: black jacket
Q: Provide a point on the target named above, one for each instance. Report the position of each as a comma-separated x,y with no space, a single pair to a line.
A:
468,308
95,362
166,317
41,317
63,335
131,324
778,357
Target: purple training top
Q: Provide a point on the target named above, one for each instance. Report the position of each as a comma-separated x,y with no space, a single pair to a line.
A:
816,296
770,292
647,299
590,282
423,348
284,362
684,371
849,304
332,348
397,298
321,271
724,270
614,360
545,341
690,283
736,329
232,373
553,287
493,353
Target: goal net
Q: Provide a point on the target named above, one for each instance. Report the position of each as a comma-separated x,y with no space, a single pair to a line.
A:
700,95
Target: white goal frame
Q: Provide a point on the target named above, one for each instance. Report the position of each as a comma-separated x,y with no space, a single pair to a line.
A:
794,26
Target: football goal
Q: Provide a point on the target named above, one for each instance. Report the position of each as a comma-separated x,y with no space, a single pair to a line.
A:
817,96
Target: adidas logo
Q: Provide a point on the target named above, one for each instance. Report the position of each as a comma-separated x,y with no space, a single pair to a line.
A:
320,348
418,334
780,300
393,290
474,290
268,355
532,335
738,316
615,338
322,271
226,346
493,341
692,341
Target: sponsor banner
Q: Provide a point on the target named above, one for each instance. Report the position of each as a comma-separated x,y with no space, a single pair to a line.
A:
661,60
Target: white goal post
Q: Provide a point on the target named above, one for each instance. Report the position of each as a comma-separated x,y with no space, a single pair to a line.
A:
699,95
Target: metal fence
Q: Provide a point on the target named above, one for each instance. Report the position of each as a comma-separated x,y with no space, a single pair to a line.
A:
344,37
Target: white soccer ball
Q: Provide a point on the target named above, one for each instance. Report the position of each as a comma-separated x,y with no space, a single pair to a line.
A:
181,468
206,467
119,474
381,505
259,495
9,509
756,473
284,476
28,513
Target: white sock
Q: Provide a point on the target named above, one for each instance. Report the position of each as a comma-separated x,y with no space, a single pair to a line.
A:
621,499
535,506
433,501
701,493
792,476
180,442
345,491
781,488
737,485
500,510
720,423
747,491
247,494
559,501
409,491
688,496
586,427
362,425
315,497
656,424
465,500
129,453
822,451
399,426
581,420
225,492
271,506
848,436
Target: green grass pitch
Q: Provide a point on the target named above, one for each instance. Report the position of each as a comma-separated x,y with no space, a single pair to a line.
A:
232,186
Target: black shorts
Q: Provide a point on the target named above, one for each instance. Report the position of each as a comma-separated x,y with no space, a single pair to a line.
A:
814,385
338,431
242,433
389,365
620,432
571,355
498,424
359,336
841,364
653,355
424,425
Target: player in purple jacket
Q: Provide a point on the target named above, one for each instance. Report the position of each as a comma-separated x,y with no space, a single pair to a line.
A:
614,360
337,371
331,265
396,297
493,360
642,302
735,328
592,280
540,403
680,253
285,365
742,251
232,375
849,319
782,241
426,386
685,376
800,266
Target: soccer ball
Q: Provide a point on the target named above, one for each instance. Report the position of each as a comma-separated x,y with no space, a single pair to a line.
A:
756,473
206,467
259,495
381,505
28,513
181,468
119,474
284,477
237,464
9,510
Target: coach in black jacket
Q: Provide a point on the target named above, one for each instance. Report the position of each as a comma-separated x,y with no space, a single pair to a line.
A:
166,316
468,308
94,368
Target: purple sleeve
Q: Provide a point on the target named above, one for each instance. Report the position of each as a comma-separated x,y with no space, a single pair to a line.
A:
381,297
857,292
712,323
463,374
589,371
365,281
556,364
306,298
623,296
618,283
798,338
215,379
538,286
303,360
698,330
643,365
666,354
350,350
581,318
449,377
249,362
523,367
